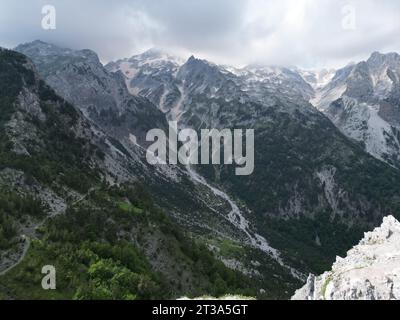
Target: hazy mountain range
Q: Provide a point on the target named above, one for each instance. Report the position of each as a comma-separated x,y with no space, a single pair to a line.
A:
326,170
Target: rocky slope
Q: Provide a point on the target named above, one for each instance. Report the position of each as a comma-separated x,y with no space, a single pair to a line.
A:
318,79
213,217
370,270
362,100
271,100
308,176
47,150
313,192
158,76
80,78
60,205
151,74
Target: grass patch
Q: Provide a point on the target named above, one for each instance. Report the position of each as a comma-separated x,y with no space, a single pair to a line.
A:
228,248
127,207
326,283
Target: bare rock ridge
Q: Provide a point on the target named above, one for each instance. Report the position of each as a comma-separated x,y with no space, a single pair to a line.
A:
371,270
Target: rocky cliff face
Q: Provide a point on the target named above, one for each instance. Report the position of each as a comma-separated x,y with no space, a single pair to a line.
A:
80,78
362,100
47,151
371,270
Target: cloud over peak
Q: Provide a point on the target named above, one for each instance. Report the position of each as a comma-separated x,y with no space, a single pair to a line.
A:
308,33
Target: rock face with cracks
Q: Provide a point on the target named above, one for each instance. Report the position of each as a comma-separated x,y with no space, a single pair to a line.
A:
371,270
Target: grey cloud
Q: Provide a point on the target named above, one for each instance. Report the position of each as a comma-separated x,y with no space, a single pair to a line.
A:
296,32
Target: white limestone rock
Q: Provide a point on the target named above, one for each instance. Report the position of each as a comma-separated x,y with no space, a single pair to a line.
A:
371,270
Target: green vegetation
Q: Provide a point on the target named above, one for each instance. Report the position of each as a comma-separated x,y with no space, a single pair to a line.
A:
13,73
296,238
14,208
325,285
88,271
56,154
228,248
98,255
290,151
126,206
114,243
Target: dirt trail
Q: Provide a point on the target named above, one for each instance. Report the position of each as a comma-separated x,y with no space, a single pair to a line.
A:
27,244
32,231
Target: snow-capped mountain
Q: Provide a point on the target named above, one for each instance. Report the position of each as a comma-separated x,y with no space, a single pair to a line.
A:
362,100
310,182
201,94
150,74
368,81
370,271
205,209
317,79
168,81
317,171
276,80
59,204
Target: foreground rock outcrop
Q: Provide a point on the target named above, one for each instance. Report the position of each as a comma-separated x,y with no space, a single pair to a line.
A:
371,270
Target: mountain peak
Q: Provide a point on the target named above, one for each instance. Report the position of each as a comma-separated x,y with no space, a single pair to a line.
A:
195,66
193,61
45,50
198,62
378,58
36,44
39,42
154,52
376,54
156,55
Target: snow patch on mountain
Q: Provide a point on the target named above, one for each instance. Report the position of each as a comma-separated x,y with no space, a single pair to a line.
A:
141,70
317,79
323,98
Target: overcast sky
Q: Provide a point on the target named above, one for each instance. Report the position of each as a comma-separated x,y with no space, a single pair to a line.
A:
306,33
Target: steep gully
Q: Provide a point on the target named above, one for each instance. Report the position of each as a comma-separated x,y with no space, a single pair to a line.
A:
237,219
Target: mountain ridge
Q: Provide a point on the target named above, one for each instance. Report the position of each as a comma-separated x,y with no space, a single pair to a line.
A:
311,183
191,202
106,240
281,114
